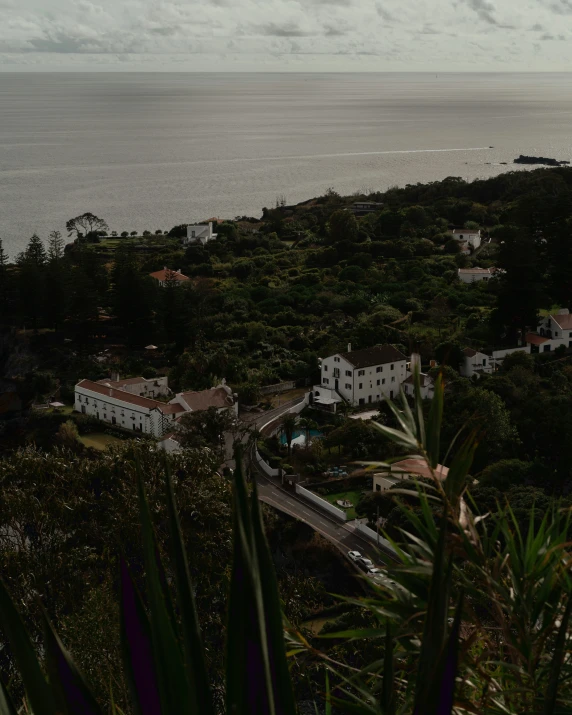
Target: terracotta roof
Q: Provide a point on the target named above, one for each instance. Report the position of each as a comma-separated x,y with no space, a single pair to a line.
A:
118,383
469,352
420,467
216,397
172,408
564,321
379,355
535,339
474,270
167,274
124,396
467,231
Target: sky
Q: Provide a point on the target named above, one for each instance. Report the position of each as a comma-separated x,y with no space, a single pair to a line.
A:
286,35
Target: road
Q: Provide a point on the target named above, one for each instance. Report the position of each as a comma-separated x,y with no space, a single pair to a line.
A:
270,491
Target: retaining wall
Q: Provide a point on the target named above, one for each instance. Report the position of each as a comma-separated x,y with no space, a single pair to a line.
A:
372,536
322,503
266,468
278,388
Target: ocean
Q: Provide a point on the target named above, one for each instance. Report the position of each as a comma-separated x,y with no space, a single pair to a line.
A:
152,150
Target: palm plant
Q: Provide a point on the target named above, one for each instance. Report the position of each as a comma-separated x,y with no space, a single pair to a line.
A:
163,654
289,421
470,600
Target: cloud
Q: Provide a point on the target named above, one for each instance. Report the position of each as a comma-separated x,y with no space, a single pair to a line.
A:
383,13
288,29
548,36
561,7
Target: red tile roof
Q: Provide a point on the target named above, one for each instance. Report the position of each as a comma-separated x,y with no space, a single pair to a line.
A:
129,397
535,339
419,467
216,397
379,355
167,274
564,321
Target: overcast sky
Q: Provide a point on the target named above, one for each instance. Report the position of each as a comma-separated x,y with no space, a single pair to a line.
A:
286,35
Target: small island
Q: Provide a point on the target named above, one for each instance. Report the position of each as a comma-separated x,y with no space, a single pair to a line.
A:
539,160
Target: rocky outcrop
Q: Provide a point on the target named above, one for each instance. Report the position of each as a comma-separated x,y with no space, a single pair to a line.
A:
539,160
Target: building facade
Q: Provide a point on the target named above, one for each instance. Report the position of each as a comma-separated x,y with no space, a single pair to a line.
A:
363,377
473,275
470,237
124,409
478,363
553,331
200,233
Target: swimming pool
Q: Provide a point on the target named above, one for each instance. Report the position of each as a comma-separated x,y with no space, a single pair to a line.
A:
300,436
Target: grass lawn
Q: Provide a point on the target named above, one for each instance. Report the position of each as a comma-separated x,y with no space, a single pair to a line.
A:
66,410
354,496
99,440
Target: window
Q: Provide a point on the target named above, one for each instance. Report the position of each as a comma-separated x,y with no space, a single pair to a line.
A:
326,381
348,386
325,368
83,409
484,361
361,372
336,372
192,234
379,382
379,369
360,385
392,366
349,372
392,379
556,333
336,359
547,348
548,323
383,381
361,401
378,487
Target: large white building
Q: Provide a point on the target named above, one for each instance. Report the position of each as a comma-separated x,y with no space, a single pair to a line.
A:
473,275
361,377
137,413
553,331
200,233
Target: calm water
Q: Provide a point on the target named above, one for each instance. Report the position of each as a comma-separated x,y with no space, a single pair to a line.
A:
148,151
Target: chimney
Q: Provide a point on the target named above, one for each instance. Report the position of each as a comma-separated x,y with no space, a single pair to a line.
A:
349,347
210,228
178,270
114,377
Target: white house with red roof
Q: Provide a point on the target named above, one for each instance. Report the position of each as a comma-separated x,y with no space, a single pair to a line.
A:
553,331
138,413
169,276
474,275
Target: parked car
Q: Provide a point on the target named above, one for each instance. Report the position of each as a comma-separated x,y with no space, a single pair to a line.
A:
374,572
354,555
364,564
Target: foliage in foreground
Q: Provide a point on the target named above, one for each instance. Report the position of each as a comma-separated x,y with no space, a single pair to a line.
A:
474,617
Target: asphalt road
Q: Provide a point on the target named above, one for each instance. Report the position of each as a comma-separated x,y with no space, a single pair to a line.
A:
270,491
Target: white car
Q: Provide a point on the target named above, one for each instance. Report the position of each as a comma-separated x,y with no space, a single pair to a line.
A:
354,555
373,572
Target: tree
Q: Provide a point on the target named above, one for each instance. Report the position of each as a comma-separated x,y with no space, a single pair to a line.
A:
35,253
67,434
56,247
449,353
133,233
85,225
505,474
308,425
124,234
343,226
205,428
288,425
452,246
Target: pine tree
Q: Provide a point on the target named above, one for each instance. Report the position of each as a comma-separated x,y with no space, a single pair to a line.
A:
35,253
55,246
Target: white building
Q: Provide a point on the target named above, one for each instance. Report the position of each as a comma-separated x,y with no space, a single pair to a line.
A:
362,377
152,387
553,331
470,237
138,413
478,363
175,277
200,233
124,409
404,470
426,384
472,275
